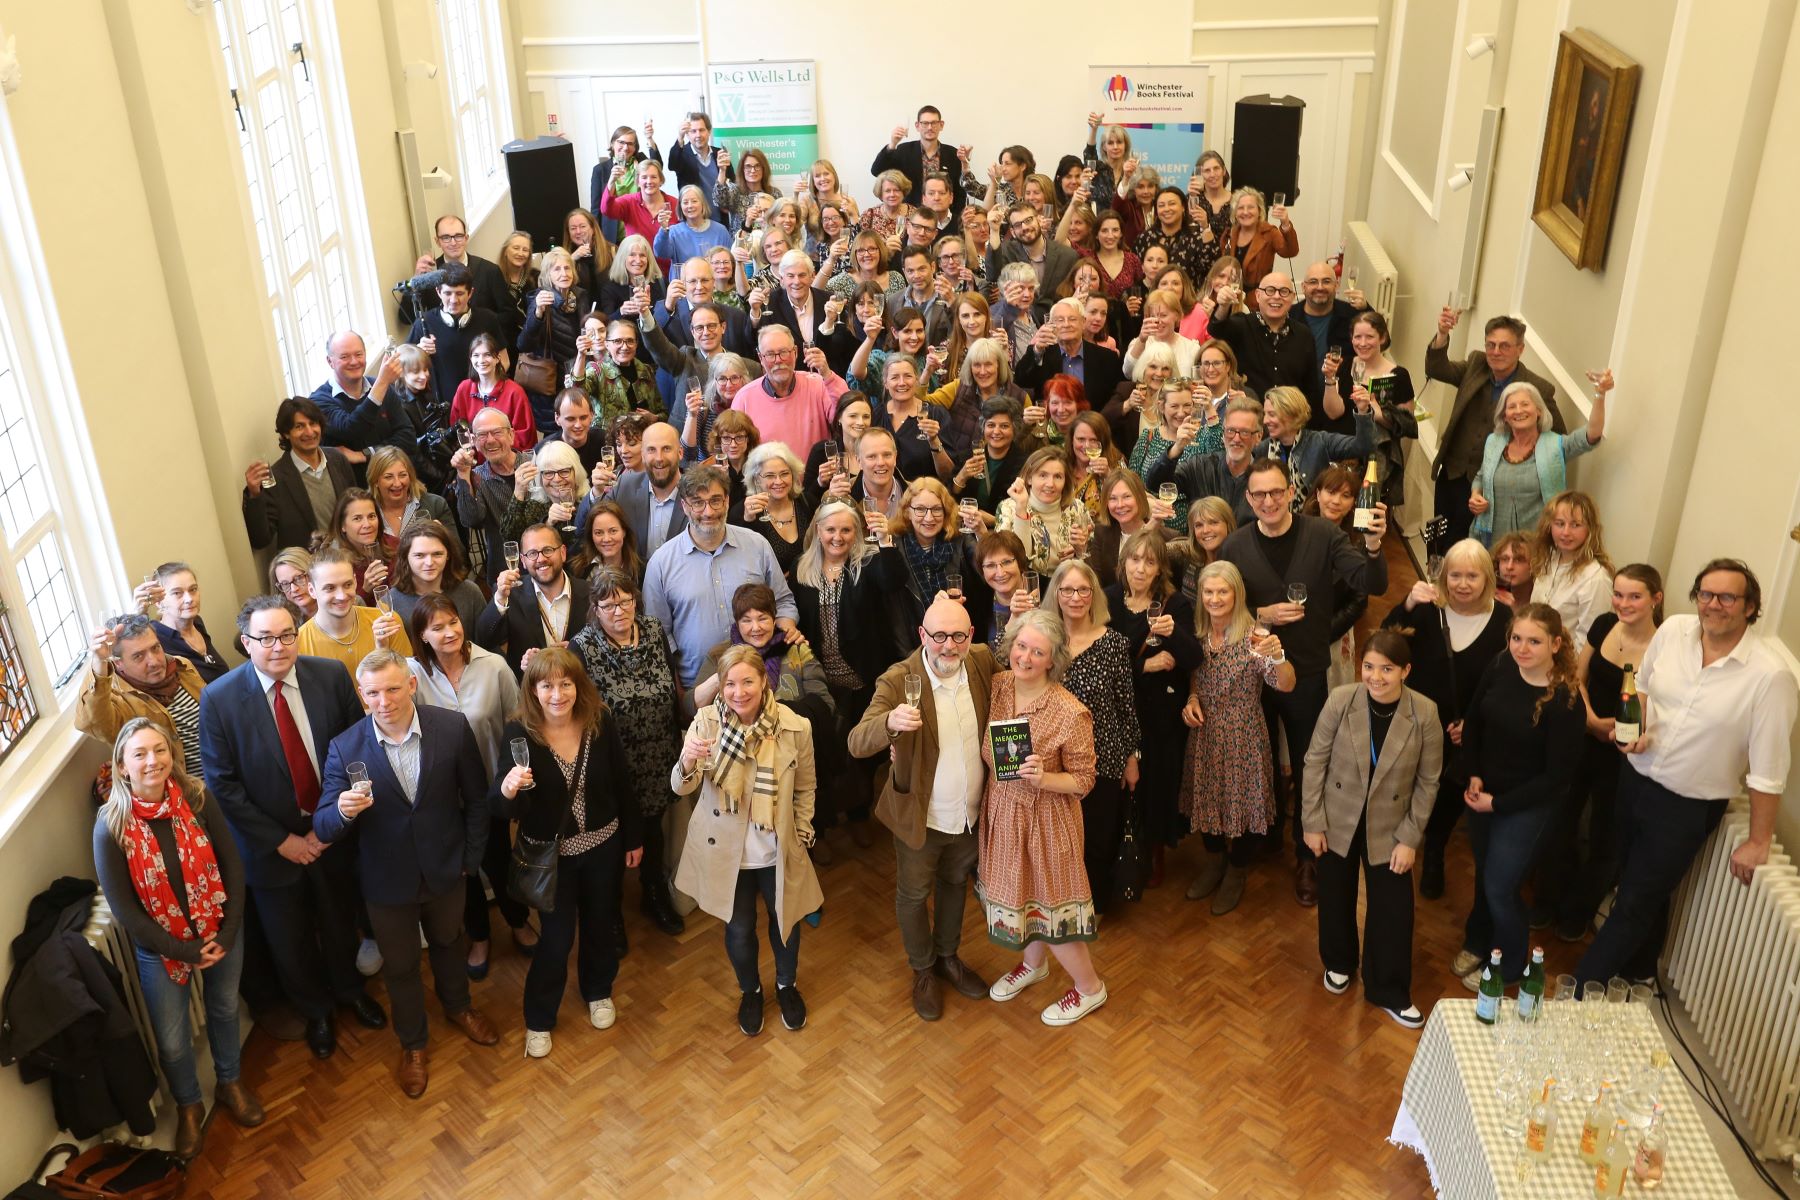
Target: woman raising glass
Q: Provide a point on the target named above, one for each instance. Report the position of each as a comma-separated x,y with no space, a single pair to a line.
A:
1209,193
1161,317
1257,236
1093,454
729,445
632,285
1221,295
916,425
988,475
905,339
514,261
646,212
591,253
1190,248
734,198
1137,207
553,324
695,234
548,491
929,546
1386,390
1525,461
174,590
1119,265
356,531
773,503
868,265
836,455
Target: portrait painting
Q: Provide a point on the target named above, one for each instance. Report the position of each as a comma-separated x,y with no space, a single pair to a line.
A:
1591,100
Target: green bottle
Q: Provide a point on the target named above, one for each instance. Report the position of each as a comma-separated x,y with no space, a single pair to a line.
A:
1531,987
1487,1002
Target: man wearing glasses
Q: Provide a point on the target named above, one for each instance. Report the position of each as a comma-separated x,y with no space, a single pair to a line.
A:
550,608
928,155
789,405
451,236
265,729
689,582
1479,380
1271,349
932,796
1028,241
1280,550
1328,319
1719,710
1225,473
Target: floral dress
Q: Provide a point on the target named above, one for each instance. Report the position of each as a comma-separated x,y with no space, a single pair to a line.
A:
616,391
638,684
1228,779
1045,534
1031,882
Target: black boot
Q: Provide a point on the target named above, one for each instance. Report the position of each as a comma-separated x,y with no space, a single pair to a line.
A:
659,906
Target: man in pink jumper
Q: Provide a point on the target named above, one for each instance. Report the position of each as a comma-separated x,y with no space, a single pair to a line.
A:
795,407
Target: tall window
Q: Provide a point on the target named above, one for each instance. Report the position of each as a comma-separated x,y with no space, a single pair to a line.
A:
479,107
307,223
54,546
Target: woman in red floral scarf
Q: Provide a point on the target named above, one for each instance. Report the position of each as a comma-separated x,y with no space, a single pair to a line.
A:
172,877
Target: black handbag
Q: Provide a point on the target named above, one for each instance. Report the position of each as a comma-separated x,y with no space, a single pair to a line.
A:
532,879
1133,869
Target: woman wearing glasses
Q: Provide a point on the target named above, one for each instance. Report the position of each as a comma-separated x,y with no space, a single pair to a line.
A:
774,504
928,546
547,490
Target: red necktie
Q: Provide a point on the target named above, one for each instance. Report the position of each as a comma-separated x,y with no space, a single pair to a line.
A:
293,748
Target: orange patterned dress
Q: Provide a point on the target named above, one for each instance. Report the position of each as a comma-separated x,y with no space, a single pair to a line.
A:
1032,885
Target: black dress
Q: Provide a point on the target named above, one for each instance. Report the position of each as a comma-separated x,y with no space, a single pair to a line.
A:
211,665
1160,697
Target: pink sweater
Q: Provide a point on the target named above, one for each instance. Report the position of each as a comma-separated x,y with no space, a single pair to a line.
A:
802,418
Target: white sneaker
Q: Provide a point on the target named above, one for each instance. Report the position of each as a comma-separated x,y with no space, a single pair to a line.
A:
368,958
601,1014
1336,984
1016,981
1073,1006
537,1045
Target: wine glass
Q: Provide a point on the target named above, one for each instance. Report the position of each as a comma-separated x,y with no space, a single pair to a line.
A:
358,775
609,458
465,437
521,755
384,598
1297,593
1593,377
1259,632
1150,614
511,550
966,512
919,424
831,452
870,536
1167,493
1031,585
915,688
1350,279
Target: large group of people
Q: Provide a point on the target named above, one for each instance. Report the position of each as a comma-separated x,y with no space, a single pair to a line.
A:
1021,529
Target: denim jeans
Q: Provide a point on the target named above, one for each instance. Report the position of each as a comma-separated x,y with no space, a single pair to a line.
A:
1505,846
168,1005
740,932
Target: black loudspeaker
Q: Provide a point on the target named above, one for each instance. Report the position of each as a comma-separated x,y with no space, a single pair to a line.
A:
1265,145
541,173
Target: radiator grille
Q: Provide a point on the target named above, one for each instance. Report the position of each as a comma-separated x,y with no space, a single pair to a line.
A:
108,937
1377,276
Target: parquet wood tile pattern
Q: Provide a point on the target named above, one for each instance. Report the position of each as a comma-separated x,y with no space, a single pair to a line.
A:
1218,1068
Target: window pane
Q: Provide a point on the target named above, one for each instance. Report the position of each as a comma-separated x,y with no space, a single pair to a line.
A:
51,607
259,35
23,497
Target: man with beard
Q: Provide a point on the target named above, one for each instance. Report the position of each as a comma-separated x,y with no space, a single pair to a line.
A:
650,496
1223,474
536,605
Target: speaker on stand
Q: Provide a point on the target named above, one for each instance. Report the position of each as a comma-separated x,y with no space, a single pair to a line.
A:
1265,145
541,173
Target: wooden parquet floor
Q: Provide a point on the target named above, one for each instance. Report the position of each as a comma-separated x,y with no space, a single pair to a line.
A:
1219,1068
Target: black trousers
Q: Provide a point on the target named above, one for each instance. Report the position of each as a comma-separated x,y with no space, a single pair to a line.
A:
397,933
1448,808
1387,932
1103,824
847,784
1296,713
1452,502
1574,873
587,897
1660,832
496,862
312,936
1242,850
740,932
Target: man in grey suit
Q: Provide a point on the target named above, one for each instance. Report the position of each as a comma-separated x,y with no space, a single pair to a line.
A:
1478,381
1027,241
648,497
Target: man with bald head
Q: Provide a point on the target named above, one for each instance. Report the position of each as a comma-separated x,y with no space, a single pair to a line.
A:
650,497
481,492
1328,317
1272,349
361,412
932,795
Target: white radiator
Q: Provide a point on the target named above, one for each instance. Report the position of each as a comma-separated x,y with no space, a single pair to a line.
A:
1376,276
1733,958
109,938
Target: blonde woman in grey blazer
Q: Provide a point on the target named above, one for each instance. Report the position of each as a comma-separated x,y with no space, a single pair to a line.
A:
1371,778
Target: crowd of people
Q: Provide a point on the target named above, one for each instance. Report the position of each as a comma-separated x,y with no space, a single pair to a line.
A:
1030,518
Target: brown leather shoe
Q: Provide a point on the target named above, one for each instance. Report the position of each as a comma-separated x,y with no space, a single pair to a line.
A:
481,1031
190,1130
927,1001
243,1106
955,972
1306,882
411,1073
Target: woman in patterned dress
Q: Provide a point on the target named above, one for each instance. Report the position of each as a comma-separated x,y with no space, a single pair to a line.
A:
1228,783
1033,889
626,653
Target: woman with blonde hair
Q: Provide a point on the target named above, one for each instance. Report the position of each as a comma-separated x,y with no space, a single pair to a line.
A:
400,496
575,793
633,284
1209,522
514,261
883,219
170,870
646,212
290,578
1307,451
695,234
1257,235
1160,321
929,546
1570,569
553,324
1228,778
751,760
1040,508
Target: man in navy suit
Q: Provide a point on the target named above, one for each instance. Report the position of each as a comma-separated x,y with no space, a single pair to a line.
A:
264,729
536,606
1060,349
806,310
649,497
420,822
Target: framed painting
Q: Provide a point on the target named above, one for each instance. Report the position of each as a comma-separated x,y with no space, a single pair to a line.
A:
1591,98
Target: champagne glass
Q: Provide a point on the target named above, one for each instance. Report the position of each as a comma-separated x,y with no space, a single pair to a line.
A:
832,451
1593,378
1031,585
1259,632
1167,493
609,458
384,598
915,688
967,509
465,437
511,550
521,755
1297,593
1152,613
869,534
1350,279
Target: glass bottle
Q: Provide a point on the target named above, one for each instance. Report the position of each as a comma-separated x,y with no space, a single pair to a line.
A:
1493,987
1652,1149
1615,1162
1540,1122
1531,986
1598,1125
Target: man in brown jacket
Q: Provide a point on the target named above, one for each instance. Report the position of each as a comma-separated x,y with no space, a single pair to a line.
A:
129,675
932,795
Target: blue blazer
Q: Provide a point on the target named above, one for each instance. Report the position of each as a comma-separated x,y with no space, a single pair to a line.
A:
242,762
409,851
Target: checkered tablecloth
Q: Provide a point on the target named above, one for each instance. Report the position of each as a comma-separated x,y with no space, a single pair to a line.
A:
1451,1117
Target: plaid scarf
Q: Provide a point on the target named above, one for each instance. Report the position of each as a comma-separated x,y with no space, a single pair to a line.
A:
205,913
928,564
744,760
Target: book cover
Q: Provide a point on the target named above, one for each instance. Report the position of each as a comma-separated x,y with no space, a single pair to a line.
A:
1010,741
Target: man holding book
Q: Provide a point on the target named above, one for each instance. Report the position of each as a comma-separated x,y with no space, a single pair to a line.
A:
929,714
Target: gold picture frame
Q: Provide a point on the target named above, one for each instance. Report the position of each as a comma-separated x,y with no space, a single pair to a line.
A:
1591,98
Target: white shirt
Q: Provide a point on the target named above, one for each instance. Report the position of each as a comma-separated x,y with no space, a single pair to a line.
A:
290,688
1577,596
322,471
956,788
803,317
555,613
1711,726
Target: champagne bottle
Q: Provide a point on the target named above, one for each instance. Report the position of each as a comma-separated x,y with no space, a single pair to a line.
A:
1531,987
1487,1000
1367,498
1630,723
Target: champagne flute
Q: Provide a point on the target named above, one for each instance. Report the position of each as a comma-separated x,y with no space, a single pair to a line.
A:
511,551
465,437
966,512
384,598
1297,593
609,458
832,452
915,688
1031,585
869,535
1152,613
1350,279
521,755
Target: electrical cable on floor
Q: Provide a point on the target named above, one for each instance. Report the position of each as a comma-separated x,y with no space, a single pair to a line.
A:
1710,1093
